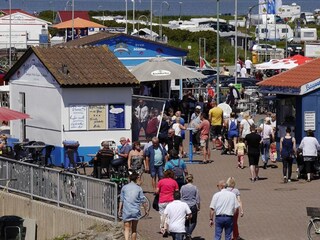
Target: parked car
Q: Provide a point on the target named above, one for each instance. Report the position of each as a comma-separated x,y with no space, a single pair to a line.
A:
246,82
258,47
294,49
210,79
207,71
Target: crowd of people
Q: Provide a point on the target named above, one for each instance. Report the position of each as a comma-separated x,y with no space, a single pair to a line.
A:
178,198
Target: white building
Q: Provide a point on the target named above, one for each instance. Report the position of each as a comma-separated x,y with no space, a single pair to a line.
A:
25,30
71,93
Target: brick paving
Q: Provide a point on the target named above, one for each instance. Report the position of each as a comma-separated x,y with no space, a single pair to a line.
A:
272,210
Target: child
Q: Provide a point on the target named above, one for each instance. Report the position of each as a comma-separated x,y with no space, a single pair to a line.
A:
273,152
240,151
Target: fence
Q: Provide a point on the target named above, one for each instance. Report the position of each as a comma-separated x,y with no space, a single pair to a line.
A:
92,196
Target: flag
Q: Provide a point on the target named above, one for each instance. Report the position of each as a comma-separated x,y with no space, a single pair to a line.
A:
262,7
204,63
278,6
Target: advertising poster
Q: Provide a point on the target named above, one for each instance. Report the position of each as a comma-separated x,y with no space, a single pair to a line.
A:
146,117
116,116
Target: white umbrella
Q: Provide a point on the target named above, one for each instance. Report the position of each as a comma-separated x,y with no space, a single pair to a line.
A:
159,68
226,109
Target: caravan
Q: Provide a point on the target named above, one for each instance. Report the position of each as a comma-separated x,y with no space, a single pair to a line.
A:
305,34
273,32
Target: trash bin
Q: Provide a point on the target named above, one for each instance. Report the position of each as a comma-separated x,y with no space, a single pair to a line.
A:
254,57
11,228
70,153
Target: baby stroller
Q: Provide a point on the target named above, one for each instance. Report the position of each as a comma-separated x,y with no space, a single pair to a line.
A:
119,171
224,140
301,166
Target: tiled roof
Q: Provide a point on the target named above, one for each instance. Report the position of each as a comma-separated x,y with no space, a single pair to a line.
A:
295,77
67,15
81,66
94,38
7,11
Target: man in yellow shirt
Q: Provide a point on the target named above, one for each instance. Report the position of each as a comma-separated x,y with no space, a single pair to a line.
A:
216,121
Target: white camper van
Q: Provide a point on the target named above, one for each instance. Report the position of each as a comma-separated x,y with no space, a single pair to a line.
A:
273,31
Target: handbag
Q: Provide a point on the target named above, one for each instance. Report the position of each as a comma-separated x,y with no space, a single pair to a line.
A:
155,203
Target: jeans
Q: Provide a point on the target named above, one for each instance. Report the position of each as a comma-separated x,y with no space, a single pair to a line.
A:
191,223
287,166
225,223
177,236
265,150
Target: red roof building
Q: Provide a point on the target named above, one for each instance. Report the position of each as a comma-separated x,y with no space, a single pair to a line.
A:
63,16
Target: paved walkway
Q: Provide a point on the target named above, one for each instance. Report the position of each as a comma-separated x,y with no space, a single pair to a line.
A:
272,210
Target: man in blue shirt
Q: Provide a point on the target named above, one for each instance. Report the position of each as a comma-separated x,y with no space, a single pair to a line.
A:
156,157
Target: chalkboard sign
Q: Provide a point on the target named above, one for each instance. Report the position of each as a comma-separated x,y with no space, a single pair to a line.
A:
116,116
97,117
78,117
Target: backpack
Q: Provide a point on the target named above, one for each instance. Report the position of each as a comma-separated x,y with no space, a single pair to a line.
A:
178,171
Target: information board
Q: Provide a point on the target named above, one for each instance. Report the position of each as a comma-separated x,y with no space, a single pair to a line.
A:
97,117
78,117
116,116
310,121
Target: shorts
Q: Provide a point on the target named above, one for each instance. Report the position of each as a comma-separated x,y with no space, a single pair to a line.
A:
253,159
156,171
215,131
204,143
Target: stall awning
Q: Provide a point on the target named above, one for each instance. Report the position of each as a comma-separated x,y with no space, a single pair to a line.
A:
297,81
77,23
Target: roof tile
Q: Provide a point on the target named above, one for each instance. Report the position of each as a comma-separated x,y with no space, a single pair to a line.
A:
85,66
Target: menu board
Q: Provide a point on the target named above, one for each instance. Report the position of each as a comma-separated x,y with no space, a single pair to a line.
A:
78,117
116,116
97,117
310,121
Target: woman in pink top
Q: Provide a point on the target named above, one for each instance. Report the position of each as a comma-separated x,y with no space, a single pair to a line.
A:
165,189
204,128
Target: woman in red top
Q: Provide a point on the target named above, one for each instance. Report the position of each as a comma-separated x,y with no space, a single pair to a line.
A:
204,128
165,189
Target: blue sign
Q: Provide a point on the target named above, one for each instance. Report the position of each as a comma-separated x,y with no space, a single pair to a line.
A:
116,116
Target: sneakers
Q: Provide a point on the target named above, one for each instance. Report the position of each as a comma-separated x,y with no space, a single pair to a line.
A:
289,180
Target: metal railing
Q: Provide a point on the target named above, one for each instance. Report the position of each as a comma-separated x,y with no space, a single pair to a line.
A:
90,195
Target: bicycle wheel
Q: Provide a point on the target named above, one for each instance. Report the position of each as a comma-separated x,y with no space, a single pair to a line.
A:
314,229
143,212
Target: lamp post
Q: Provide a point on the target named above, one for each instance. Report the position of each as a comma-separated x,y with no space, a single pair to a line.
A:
100,7
161,14
248,25
72,20
126,17
52,3
10,12
151,19
236,39
139,21
133,14
218,53
180,3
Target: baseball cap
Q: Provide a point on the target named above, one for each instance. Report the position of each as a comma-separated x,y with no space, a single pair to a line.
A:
198,107
230,84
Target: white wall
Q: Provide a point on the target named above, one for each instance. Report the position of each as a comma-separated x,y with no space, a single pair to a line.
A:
48,106
87,96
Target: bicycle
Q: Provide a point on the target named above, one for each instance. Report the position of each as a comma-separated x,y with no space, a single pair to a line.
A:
313,230
120,176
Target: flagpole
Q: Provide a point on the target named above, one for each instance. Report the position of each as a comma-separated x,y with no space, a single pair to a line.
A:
126,16
10,12
133,9
151,19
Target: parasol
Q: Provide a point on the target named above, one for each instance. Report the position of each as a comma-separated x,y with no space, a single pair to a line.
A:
7,114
